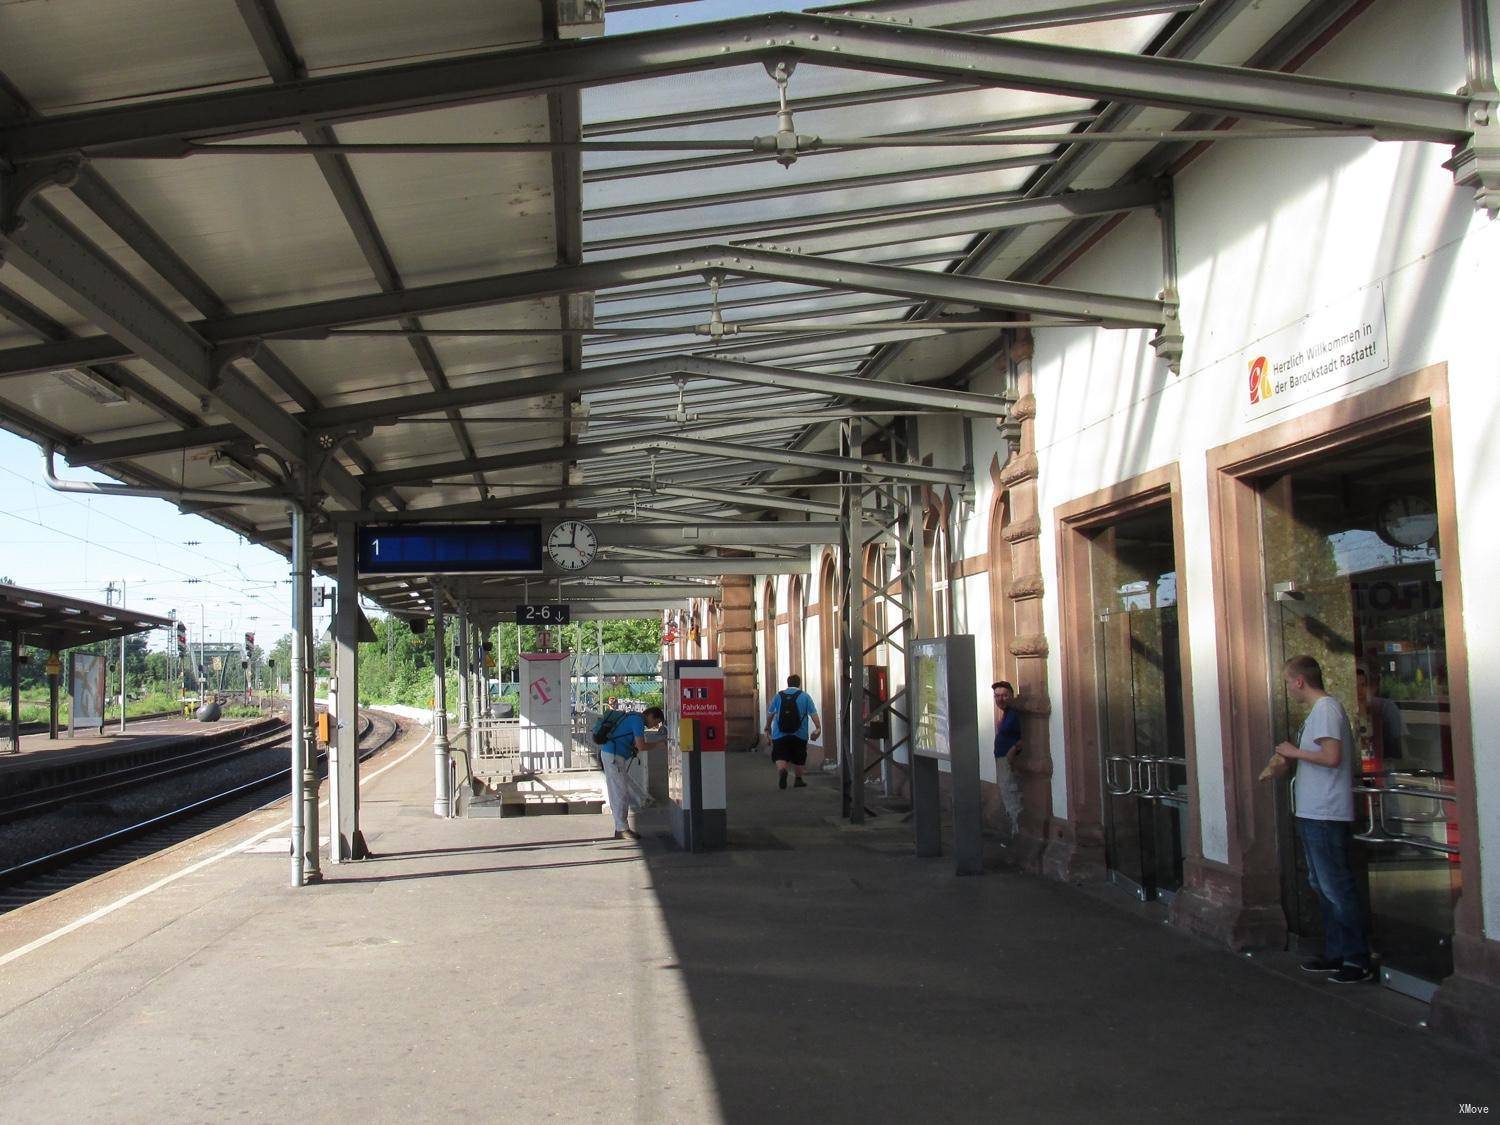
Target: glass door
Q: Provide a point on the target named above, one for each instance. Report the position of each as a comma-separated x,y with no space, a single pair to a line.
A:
1143,763
1354,571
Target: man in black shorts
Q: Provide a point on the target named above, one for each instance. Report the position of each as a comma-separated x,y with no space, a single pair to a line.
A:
787,725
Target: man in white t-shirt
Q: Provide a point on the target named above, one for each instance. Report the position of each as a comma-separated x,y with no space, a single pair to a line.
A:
1325,753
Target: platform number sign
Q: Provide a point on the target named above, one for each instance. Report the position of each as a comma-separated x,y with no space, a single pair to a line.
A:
543,614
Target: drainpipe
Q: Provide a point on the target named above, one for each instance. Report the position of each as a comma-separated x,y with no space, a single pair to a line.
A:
181,495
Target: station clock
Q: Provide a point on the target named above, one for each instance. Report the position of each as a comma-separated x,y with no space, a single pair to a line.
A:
572,545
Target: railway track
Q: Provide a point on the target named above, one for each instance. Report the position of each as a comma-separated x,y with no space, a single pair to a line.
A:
37,878
33,802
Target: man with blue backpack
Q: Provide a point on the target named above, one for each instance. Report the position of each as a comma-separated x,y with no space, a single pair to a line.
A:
787,722
620,736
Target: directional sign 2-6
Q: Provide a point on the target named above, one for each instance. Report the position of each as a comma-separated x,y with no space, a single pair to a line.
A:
543,615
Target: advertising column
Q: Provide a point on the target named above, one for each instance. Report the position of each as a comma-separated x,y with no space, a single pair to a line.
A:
696,784
546,719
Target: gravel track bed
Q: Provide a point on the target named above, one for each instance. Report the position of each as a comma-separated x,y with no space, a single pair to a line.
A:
36,836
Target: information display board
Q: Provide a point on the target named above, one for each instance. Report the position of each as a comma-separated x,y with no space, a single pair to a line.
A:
458,548
945,738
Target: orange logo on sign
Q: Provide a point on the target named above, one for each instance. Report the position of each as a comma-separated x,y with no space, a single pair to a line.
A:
1260,380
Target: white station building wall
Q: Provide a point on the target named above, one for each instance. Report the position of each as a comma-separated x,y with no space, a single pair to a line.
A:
1269,233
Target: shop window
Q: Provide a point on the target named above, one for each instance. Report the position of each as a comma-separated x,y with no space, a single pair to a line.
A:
1354,578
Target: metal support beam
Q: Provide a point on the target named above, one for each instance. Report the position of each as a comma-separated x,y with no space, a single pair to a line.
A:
747,534
172,441
851,618
916,621
749,498
57,257
977,219
665,369
855,44
640,607
314,319
345,841
442,801
300,702
703,447
502,590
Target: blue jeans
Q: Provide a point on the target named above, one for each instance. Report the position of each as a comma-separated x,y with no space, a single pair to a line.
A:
1326,845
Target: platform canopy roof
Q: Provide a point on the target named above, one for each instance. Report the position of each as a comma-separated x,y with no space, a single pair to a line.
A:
475,259
53,622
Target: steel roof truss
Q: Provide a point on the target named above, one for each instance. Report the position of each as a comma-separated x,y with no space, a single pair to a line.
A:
827,40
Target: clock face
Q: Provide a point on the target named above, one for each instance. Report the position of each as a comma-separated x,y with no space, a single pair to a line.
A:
572,545
1407,521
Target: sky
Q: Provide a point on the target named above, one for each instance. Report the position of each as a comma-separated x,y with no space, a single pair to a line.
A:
77,545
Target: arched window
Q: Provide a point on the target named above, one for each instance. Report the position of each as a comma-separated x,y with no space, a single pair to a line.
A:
936,526
796,616
768,640
828,632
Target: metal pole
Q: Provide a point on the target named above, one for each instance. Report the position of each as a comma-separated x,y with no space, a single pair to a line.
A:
52,677
122,662
852,632
345,841
442,801
298,686
463,670
310,738
15,689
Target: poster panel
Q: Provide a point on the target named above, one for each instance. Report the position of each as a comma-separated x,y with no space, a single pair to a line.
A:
86,690
931,732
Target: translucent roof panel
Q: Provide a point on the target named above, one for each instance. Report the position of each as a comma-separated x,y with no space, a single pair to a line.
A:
404,263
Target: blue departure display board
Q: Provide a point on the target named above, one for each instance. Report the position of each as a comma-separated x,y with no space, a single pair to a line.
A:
453,548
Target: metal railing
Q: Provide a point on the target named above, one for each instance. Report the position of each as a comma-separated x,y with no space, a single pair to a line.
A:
508,748
1143,778
1379,818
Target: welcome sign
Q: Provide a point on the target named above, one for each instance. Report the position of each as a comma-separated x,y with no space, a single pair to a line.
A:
1326,349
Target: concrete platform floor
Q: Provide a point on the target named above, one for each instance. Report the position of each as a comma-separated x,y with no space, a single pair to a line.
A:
530,970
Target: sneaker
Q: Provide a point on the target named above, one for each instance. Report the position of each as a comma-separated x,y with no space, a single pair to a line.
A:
781,780
799,784
1322,965
1353,974
631,834
618,835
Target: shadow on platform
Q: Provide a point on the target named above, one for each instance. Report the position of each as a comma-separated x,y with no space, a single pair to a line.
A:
835,977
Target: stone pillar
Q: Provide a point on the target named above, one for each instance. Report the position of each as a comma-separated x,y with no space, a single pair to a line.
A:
1028,642
736,647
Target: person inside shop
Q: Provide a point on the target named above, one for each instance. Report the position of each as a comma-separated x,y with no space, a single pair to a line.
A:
1382,726
1323,796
